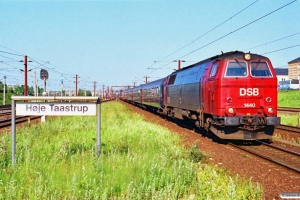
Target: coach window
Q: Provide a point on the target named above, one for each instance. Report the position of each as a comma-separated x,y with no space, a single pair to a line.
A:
214,70
235,68
172,79
260,69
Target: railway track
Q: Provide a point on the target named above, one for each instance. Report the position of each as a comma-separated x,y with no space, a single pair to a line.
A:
289,109
21,119
5,110
294,129
283,157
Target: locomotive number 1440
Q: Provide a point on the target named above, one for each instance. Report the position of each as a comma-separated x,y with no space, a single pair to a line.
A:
249,105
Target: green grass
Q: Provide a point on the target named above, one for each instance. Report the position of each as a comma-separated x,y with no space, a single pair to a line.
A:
289,98
291,120
139,160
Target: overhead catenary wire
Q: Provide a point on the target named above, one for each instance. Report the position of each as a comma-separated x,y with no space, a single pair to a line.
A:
10,58
210,30
11,53
203,34
19,54
282,49
40,64
231,32
273,41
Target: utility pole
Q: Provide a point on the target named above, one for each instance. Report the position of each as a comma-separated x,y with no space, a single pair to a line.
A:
103,92
25,76
35,91
62,85
108,92
179,63
4,90
76,86
95,88
37,88
69,88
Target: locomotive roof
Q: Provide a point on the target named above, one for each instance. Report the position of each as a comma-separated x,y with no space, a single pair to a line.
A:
233,54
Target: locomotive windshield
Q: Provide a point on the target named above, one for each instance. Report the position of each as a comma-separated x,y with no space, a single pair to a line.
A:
236,69
260,69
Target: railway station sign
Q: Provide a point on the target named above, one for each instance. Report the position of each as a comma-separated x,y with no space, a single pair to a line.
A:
54,105
55,108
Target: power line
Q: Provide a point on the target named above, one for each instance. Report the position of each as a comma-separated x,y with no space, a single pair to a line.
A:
41,65
240,28
233,31
274,41
20,54
201,36
210,30
282,49
10,58
11,53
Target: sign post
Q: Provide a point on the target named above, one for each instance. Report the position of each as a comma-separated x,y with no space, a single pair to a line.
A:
98,126
13,132
72,107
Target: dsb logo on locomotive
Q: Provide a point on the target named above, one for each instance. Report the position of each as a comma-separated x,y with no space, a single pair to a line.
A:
249,91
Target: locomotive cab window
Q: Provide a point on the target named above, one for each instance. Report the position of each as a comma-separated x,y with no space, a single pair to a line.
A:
260,69
214,70
172,79
235,68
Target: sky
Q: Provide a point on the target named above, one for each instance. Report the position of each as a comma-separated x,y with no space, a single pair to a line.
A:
121,42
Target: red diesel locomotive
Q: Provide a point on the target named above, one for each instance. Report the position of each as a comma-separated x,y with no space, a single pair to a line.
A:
234,95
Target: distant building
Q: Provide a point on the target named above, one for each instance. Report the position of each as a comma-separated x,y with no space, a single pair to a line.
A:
282,74
294,69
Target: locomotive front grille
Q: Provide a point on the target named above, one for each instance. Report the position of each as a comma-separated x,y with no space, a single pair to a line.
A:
245,121
253,120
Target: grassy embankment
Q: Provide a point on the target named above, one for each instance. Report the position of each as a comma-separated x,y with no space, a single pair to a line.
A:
289,99
139,160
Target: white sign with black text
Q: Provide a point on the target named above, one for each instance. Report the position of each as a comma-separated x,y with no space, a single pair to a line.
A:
55,108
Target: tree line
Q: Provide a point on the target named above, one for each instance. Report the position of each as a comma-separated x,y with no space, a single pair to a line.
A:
19,90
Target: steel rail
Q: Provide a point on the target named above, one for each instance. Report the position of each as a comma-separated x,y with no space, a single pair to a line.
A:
266,158
20,119
279,148
295,129
288,109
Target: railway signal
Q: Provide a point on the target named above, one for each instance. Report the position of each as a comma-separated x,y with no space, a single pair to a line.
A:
44,75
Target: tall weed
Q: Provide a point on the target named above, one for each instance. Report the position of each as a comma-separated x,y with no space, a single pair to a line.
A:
139,160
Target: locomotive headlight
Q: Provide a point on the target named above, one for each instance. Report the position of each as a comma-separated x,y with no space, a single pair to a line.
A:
270,110
230,110
247,56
